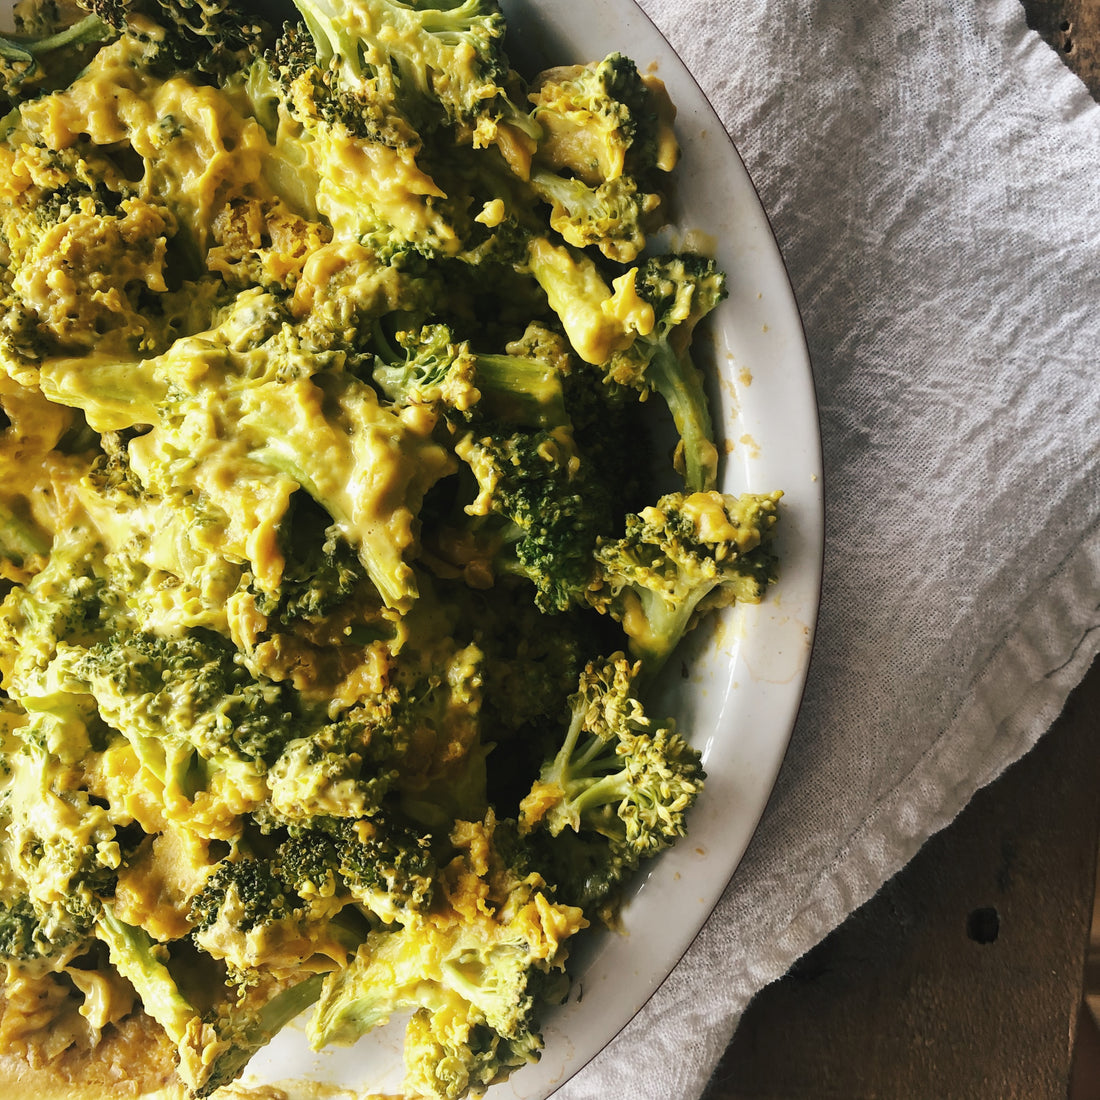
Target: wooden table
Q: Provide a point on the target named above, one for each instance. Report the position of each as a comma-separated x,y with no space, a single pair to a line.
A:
964,976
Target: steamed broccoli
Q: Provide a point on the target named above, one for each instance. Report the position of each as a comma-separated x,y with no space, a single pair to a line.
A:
474,982
538,512
322,372
437,371
325,880
450,1054
211,36
28,933
211,1052
98,265
387,867
687,553
426,367
322,571
415,736
606,141
250,916
343,768
681,290
62,851
50,44
59,234
63,602
53,897
408,56
429,64
482,972
611,216
603,121
190,689
618,776
303,421
242,891
249,1026
142,962
340,150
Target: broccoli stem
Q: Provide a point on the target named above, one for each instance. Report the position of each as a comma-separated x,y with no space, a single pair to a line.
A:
258,1030
659,624
134,954
576,292
577,772
19,540
521,391
87,30
112,394
680,383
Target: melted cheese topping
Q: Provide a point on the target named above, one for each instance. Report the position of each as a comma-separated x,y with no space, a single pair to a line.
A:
196,149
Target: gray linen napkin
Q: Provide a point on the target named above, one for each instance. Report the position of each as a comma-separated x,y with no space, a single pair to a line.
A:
932,172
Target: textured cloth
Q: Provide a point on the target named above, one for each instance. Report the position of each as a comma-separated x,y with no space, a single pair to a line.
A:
932,172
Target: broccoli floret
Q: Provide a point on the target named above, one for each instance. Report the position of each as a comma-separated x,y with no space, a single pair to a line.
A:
539,510
429,64
322,571
345,768
192,689
318,892
317,116
61,850
449,1056
612,216
110,471
529,671
603,120
242,892
248,914
30,933
687,553
212,1052
306,862
380,865
426,367
64,601
417,738
681,290
617,774
22,935
437,371
304,423
480,980
51,43
144,963
409,968
606,140
296,73
210,36
387,867
79,222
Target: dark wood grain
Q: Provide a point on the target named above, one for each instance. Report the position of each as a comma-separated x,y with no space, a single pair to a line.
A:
962,978
1072,27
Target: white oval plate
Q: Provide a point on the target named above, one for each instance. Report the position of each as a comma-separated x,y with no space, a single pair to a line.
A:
736,687
738,684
